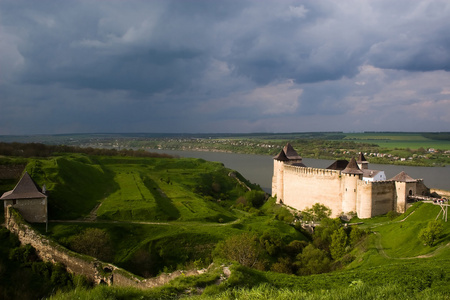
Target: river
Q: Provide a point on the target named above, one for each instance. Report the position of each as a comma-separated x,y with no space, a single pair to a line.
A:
259,168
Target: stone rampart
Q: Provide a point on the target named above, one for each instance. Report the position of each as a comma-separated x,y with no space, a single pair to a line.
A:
95,270
303,187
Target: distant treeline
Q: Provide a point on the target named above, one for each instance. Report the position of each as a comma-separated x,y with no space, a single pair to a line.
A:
42,150
443,136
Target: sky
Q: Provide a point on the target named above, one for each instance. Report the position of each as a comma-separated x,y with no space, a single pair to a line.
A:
224,66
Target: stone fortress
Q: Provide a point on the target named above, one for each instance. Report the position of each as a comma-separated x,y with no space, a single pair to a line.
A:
345,187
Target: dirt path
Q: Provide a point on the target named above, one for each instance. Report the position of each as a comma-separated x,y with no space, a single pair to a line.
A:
92,216
380,250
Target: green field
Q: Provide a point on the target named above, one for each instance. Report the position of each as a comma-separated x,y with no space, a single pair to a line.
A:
399,140
167,212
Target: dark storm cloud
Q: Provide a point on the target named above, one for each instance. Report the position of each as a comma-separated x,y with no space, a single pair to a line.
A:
221,65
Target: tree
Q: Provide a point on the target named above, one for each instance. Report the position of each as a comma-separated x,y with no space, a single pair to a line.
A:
356,235
338,243
323,233
316,213
94,242
271,242
313,261
431,233
256,198
243,248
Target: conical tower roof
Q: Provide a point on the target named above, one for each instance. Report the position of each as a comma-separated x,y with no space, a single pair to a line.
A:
26,188
403,177
352,168
361,158
339,164
281,156
288,153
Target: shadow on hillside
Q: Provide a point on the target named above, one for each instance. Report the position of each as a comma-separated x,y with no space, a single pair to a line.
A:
164,203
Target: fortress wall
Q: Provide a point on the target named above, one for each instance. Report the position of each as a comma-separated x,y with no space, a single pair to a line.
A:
402,190
303,187
421,188
349,192
375,198
277,179
383,195
33,210
97,271
364,200
48,250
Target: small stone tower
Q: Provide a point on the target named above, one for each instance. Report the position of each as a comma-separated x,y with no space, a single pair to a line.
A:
362,162
405,186
28,199
287,156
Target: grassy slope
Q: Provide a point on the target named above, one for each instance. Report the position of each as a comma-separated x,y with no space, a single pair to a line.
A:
389,273
136,188
181,241
164,189
75,184
398,140
166,208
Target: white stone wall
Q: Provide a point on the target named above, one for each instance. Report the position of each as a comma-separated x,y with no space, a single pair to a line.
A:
303,187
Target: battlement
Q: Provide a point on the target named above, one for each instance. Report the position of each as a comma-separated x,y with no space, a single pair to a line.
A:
310,171
341,188
381,182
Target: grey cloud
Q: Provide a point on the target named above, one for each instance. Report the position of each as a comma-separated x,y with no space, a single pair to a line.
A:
137,61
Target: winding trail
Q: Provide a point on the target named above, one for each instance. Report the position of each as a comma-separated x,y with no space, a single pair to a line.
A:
383,253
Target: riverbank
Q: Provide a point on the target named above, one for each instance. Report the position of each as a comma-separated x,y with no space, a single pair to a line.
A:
259,168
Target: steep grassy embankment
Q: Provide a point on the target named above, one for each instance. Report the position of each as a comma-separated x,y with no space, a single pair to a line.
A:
158,213
132,189
391,264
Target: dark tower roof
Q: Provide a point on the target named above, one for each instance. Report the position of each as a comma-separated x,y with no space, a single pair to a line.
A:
403,177
352,168
340,164
25,189
361,158
288,153
281,156
291,153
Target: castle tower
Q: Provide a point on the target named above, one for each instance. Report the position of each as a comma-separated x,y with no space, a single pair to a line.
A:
286,156
350,176
362,162
405,186
28,199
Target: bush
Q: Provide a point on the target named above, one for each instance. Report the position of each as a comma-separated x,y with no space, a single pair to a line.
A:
313,261
338,243
242,248
316,213
392,215
431,233
25,254
356,235
94,242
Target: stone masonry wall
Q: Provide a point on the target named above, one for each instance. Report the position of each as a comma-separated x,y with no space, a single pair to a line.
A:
97,271
303,187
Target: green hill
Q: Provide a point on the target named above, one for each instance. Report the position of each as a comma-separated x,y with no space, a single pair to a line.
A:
154,215
391,265
132,189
